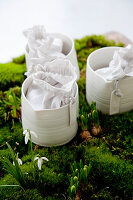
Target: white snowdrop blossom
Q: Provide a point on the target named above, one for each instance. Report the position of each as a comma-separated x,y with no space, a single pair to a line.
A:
40,161
19,161
27,134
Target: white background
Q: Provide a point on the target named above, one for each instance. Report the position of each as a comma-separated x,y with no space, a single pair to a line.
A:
76,18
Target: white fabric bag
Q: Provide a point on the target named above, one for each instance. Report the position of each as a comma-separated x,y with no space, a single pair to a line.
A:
54,122
44,47
111,96
120,66
53,85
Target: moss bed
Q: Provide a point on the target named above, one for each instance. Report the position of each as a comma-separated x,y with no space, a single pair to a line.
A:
110,153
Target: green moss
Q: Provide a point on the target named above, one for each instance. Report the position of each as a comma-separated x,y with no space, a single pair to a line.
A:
110,170
50,178
93,41
5,135
3,153
14,136
3,110
11,74
31,193
17,193
117,131
19,60
104,194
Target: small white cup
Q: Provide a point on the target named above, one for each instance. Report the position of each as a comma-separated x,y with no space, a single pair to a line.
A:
101,91
68,50
53,126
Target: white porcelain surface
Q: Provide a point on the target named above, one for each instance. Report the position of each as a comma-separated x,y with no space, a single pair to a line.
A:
99,90
52,126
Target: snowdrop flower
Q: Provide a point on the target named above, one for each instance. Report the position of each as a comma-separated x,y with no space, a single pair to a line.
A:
40,161
27,134
19,161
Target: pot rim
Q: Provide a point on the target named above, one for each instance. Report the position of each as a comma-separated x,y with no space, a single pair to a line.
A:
93,54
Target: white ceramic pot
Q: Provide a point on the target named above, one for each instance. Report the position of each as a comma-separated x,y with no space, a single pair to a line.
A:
104,92
53,126
68,50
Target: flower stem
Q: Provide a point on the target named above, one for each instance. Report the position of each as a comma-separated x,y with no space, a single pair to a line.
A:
32,156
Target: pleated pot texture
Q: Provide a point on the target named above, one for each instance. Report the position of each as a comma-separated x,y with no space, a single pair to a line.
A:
68,50
103,92
53,127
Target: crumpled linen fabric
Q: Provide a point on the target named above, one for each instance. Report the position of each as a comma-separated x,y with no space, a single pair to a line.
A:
43,45
53,85
120,66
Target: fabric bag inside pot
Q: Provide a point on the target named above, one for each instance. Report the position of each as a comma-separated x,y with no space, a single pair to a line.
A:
42,46
120,66
53,85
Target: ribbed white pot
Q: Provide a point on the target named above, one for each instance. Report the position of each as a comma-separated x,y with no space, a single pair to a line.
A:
104,92
53,126
68,50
